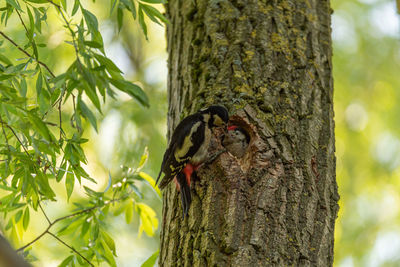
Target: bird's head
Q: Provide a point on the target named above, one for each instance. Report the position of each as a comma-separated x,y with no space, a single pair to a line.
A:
218,115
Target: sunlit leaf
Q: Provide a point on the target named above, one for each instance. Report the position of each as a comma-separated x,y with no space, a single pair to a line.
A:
132,89
91,20
26,218
151,181
87,113
75,8
14,4
69,182
109,241
66,261
148,220
155,1
142,22
153,14
143,159
107,62
151,261
108,254
129,212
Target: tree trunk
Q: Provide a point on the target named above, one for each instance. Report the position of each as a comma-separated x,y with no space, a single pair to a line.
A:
269,63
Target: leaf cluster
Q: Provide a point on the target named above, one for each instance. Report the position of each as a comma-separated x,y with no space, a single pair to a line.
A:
42,117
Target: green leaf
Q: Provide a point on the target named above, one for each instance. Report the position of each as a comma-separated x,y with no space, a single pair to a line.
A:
31,24
148,219
90,87
91,20
109,241
39,84
35,201
129,212
23,88
120,17
75,8
18,216
14,4
40,126
151,181
142,22
25,221
61,171
143,159
155,1
85,227
64,4
131,89
113,4
93,44
66,261
69,182
133,11
94,233
43,182
151,261
153,14
38,23
108,254
5,59
44,102
107,62
38,1
87,113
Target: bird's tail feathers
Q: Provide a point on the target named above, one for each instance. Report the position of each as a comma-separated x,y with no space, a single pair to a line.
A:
186,196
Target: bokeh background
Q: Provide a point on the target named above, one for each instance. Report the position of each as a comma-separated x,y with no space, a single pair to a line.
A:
367,113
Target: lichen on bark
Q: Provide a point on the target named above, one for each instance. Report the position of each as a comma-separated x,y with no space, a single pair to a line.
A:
269,63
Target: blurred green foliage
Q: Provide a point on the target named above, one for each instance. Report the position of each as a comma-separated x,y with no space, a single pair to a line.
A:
367,89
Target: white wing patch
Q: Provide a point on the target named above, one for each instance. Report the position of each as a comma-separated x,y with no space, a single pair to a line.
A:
180,153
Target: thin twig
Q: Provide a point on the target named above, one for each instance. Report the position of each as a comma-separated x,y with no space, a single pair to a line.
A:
36,239
51,224
5,134
26,53
44,213
74,250
22,21
59,115
16,136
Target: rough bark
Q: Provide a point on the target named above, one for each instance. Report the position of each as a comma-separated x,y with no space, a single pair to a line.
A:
269,63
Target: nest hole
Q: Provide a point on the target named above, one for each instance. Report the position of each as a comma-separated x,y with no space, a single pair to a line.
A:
239,136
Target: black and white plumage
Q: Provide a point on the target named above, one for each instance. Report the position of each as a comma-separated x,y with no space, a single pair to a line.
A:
189,146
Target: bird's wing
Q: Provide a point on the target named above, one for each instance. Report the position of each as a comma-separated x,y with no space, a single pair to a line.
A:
180,149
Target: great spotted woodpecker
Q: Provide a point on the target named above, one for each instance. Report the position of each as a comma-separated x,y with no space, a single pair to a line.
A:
188,149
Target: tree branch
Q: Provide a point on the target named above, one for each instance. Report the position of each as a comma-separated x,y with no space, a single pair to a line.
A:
3,123
44,213
51,224
26,53
74,250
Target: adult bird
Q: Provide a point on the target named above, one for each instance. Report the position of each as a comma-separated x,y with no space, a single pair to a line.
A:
188,148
